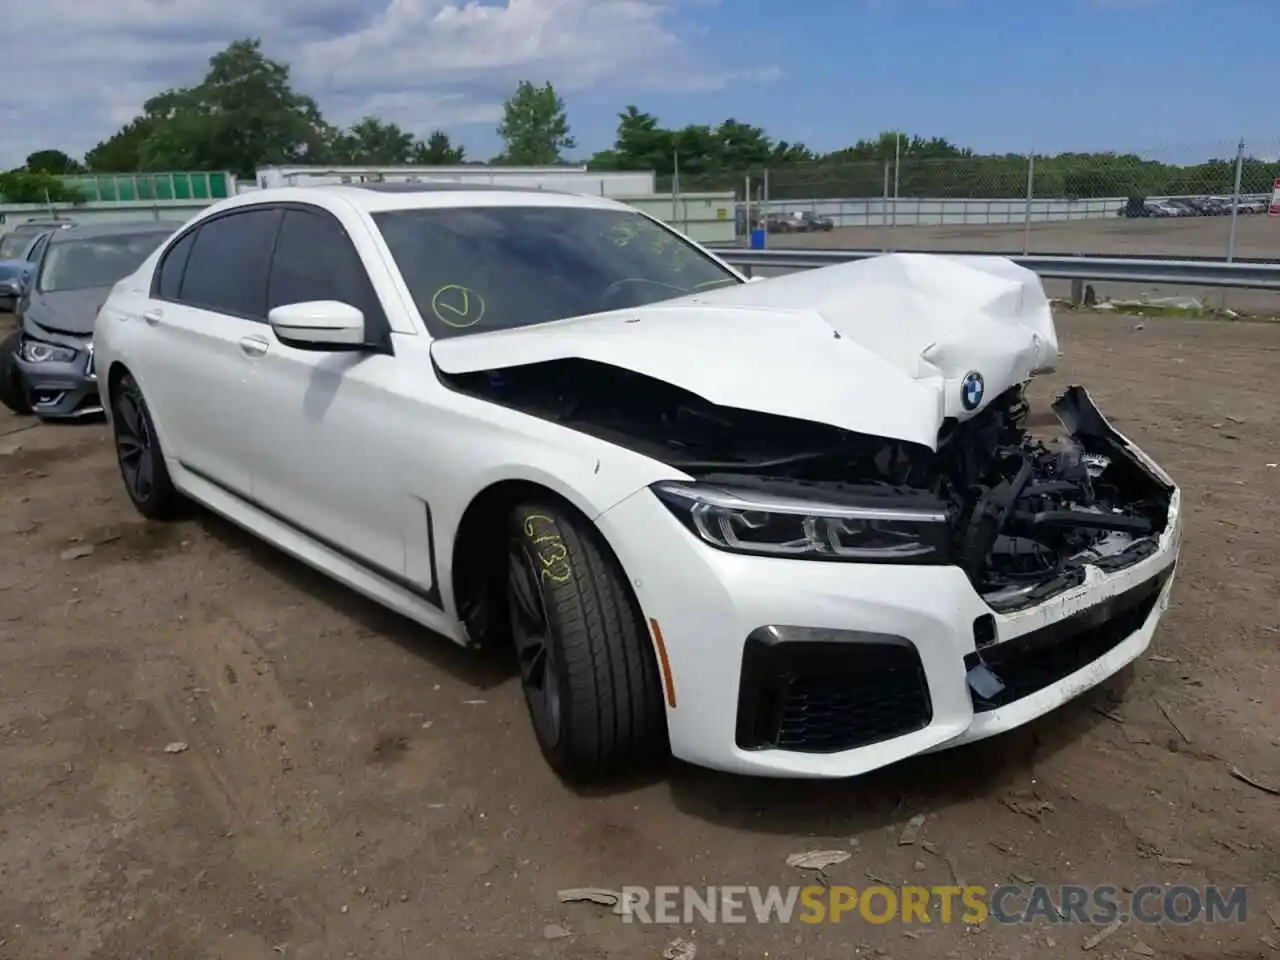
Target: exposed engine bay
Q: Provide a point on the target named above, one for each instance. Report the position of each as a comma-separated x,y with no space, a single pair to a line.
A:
1025,517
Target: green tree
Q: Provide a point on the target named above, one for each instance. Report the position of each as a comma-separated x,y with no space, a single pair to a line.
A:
740,145
437,151
24,186
534,126
699,150
122,151
52,161
641,144
371,142
242,115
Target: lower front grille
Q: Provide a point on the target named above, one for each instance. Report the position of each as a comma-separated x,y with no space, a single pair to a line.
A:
812,697
1033,661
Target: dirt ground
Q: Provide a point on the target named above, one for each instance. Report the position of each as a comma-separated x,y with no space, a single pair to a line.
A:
1257,236
352,787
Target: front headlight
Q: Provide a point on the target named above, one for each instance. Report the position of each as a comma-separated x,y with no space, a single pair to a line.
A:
883,529
34,351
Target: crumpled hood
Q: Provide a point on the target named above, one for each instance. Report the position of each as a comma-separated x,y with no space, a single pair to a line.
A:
67,311
879,346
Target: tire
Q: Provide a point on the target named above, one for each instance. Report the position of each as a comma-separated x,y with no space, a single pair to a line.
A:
12,393
142,467
598,711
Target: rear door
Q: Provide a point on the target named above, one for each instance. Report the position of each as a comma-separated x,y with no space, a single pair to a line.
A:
204,327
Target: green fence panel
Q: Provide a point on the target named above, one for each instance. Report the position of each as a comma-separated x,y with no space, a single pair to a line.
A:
143,187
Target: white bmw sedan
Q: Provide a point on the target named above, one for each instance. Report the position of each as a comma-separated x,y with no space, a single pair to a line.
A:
795,527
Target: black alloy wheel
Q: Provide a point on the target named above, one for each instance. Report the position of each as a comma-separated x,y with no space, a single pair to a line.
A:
134,445
142,466
535,653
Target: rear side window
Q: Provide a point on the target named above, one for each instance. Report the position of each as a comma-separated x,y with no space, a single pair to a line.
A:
228,264
316,260
169,278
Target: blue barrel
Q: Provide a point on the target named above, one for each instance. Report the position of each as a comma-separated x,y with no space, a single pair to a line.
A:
757,238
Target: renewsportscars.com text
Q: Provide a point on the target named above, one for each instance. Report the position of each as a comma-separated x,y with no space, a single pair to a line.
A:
1005,903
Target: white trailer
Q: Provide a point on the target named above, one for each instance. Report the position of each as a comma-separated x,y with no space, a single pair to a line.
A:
628,184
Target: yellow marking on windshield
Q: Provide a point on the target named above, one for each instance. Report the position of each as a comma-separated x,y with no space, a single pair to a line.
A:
458,307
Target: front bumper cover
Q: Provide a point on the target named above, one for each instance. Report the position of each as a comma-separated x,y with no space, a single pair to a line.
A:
60,389
912,640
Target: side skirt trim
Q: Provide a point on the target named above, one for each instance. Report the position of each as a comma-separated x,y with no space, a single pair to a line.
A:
431,595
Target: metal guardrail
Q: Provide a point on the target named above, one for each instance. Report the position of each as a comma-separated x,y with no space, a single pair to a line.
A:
1192,273
720,247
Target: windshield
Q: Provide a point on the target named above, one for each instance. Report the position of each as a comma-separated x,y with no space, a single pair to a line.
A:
474,269
94,262
14,243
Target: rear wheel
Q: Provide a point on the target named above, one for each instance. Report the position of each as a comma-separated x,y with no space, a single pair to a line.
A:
587,666
13,394
142,466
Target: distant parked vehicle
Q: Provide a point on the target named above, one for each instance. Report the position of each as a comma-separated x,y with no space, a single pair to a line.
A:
47,364
798,221
1135,207
1199,206
781,223
1209,206
19,238
16,270
814,222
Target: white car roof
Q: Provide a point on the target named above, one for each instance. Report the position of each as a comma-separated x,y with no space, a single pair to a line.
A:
378,197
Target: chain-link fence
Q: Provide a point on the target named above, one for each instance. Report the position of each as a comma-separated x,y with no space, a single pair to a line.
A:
1205,200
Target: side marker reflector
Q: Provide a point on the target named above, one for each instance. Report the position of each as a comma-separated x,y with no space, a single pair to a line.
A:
664,664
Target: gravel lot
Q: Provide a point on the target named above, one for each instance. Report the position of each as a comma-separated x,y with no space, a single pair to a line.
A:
1256,236
354,788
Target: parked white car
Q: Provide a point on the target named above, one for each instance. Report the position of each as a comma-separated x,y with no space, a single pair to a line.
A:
793,527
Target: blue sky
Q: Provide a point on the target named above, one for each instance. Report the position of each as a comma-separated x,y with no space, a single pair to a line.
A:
1176,79
1016,75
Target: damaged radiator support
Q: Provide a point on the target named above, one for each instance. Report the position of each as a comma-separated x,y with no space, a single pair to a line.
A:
1030,519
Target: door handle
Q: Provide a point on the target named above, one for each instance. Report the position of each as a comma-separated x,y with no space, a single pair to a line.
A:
253,346
153,316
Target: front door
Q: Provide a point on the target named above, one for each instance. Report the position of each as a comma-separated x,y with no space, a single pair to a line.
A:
329,455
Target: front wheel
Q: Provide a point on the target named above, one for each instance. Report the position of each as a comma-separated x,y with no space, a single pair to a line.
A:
13,394
587,666
142,466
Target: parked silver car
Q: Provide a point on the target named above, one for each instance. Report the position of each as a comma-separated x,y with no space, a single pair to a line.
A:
46,366
20,248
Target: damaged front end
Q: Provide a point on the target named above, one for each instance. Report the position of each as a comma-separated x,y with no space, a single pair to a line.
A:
1022,518
1030,517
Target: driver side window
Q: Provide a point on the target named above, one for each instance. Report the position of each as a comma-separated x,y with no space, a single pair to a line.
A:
315,260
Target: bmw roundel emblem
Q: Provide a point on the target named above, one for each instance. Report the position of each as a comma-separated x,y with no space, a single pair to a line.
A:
971,390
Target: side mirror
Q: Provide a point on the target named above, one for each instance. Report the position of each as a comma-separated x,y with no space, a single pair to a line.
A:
319,325
13,287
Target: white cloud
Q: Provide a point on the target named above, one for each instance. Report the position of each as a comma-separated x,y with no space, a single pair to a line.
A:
422,63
